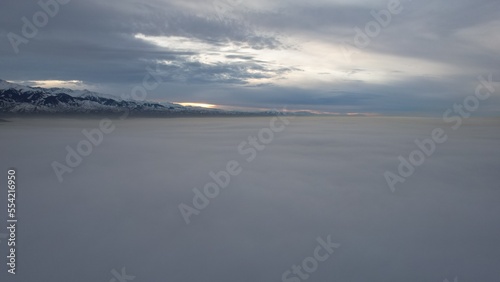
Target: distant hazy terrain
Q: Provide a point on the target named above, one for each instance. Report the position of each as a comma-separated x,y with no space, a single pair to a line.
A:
316,176
17,100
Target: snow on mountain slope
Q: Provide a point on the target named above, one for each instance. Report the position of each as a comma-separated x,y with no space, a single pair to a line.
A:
8,85
21,99
15,98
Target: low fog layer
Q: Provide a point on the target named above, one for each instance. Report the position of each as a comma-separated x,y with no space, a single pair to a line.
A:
318,177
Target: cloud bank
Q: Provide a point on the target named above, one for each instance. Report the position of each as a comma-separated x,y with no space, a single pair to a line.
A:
261,54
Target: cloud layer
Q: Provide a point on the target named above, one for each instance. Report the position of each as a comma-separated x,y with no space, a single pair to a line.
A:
262,54
318,177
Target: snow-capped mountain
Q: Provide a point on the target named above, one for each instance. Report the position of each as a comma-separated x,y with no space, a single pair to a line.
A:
20,99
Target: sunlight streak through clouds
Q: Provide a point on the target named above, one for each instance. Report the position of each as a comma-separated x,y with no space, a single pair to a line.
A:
264,54
255,66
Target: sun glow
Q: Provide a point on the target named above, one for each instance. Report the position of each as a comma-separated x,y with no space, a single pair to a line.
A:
200,105
57,83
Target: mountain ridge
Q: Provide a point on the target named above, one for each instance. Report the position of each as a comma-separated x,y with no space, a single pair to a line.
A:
17,99
20,99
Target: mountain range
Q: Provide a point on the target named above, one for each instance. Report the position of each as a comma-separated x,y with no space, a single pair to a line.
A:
19,99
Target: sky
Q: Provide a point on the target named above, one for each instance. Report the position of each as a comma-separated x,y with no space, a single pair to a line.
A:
337,56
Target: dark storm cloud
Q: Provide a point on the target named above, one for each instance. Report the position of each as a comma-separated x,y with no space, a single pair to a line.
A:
95,42
235,73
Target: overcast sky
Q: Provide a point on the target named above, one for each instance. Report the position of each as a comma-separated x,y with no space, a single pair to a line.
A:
264,54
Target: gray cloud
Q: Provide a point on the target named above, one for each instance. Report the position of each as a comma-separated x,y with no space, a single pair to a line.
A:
95,42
